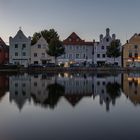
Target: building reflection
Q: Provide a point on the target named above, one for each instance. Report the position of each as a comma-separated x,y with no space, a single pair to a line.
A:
4,85
20,89
131,87
46,90
77,86
108,88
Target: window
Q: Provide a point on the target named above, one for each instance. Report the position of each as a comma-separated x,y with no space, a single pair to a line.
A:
23,46
23,85
77,47
107,40
24,53
16,54
16,46
35,54
43,54
39,46
84,47
98,83
136,46
98,55
77,56
136,55
70,56
70,47
103,83
35,62
16,84
103,55
130,54
103,47
84,55
35,84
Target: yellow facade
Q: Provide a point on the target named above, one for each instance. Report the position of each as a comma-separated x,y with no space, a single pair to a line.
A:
131,87
131,52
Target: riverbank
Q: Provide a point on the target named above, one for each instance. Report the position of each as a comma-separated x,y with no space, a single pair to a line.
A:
58,69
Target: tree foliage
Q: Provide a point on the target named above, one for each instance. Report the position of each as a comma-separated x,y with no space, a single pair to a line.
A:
56,48
113,89
47,34
113,51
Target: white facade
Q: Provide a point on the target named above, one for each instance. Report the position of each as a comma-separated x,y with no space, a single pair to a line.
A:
19,50
19,88
77,50
100,49
39,53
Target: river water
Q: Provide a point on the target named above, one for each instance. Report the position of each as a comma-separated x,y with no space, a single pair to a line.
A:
70,106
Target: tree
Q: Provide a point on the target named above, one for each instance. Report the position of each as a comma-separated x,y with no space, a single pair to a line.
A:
56,48
47,34
113,51
113,89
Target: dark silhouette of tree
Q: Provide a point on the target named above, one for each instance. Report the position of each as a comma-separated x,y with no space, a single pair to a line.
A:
47,34
56,48
113,89
55,92
113,51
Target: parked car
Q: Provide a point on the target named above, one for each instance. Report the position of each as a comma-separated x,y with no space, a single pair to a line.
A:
49,65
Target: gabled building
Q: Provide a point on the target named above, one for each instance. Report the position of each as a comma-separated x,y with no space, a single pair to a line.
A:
3,52
20,49
77,51
39,53
100,50
131,52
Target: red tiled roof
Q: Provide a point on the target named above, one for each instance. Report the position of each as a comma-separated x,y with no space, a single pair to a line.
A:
74,39
2,43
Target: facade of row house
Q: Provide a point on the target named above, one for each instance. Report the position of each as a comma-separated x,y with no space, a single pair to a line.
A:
20,49
131,52
77,51
100,50
4,54
39,53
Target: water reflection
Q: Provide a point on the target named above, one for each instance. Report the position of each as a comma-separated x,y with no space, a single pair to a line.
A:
47,90
131,87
